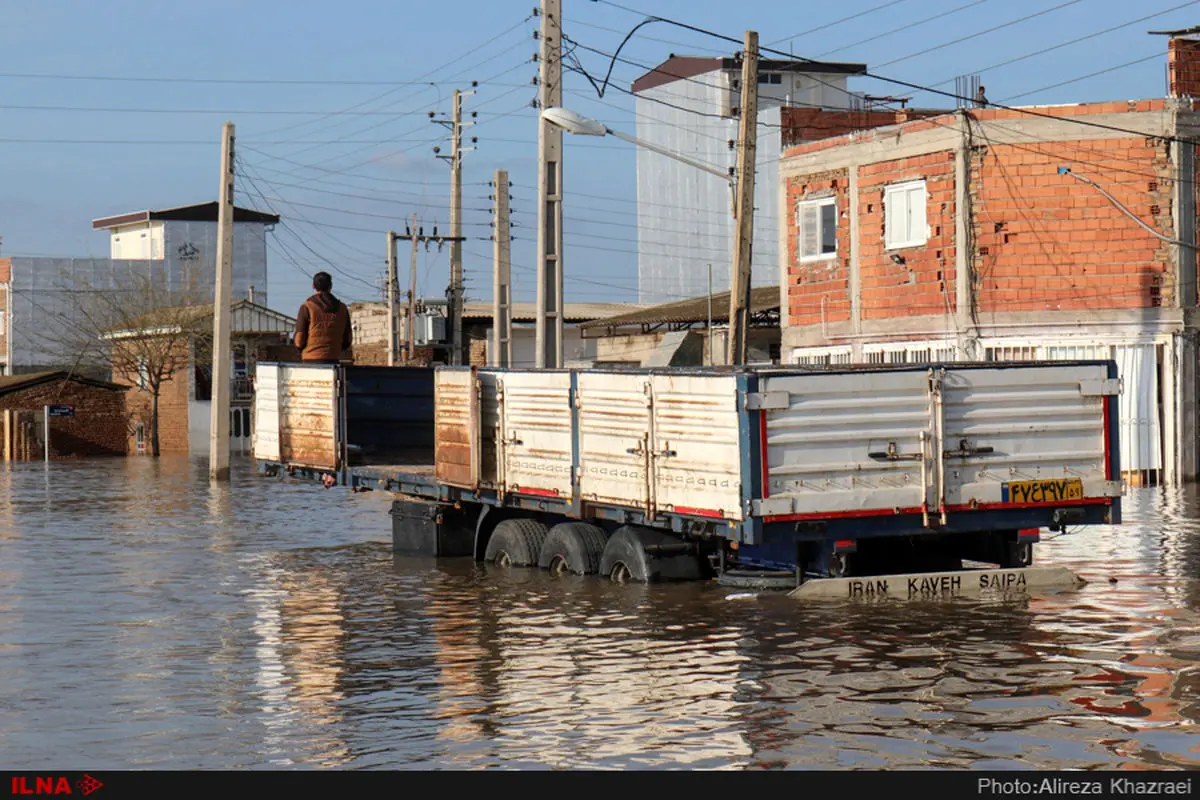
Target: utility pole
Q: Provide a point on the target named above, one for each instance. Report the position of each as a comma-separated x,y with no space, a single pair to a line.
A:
550,176
456,126
501,354
218,442
739,283
417,235
412,298
392,290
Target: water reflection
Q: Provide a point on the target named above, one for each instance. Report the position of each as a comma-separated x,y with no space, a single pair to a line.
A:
151,619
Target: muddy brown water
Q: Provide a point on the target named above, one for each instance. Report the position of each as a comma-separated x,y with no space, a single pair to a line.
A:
149,620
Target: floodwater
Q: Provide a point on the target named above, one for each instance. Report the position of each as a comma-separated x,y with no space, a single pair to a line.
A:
148,620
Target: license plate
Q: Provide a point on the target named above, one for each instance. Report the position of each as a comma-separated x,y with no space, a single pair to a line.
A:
1047,490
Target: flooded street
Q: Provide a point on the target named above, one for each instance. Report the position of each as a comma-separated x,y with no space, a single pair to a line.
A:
148,620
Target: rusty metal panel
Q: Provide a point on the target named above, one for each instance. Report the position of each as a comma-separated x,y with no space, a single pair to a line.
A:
489,425
536,413
696,451
456,427
614,438
266,413
308,418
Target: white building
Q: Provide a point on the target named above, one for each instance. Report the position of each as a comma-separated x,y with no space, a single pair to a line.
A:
688,105
37,295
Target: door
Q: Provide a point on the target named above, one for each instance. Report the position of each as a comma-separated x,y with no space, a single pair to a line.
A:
456,427
615,439
535,434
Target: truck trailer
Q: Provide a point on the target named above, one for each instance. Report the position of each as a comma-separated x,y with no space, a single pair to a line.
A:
794,478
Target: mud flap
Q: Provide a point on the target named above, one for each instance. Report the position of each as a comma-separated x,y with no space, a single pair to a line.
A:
967,583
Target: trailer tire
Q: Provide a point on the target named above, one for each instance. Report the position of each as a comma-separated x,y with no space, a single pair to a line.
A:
515,543
625,558
573,547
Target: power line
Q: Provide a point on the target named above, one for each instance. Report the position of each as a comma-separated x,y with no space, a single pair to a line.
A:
939,15
1085,77
871,10
1077,40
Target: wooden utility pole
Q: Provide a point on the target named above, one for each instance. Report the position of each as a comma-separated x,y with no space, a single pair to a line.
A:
739,283
392,290
550,177
501,353
218,442
412,298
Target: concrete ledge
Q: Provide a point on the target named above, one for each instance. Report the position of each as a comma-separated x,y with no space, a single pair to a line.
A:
942,585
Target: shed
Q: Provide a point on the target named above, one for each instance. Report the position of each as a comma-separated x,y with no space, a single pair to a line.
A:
93,420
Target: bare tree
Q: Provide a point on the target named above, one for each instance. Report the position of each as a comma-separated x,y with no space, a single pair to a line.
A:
135,326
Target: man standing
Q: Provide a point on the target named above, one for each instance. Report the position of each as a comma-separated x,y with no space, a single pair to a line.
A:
323,324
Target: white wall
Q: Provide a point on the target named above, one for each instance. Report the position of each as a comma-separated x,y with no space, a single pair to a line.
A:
141,241
685,215
524,346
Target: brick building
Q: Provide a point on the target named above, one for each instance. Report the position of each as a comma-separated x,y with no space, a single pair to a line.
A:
991,234
99,425
185,400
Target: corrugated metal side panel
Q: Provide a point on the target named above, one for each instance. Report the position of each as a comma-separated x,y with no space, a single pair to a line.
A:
455,438
536,408
266,413
1141,437
818,447
490,470
308,416
697,444
1037,422
614,438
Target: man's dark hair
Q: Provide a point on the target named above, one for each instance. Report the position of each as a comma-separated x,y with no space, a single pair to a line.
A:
323,282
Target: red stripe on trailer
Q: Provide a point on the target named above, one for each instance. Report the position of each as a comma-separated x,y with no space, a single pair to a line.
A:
698,512
1085,501
766,477
537,492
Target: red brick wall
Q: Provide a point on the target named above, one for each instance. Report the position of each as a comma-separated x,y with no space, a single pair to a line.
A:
173,403
100,424
1183,68
811,124
924,284
827,279
1046,241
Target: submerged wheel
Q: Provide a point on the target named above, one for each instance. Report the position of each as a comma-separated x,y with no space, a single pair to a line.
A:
625,558
515,543
573,547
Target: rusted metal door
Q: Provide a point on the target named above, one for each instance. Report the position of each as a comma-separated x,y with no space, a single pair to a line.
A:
456,430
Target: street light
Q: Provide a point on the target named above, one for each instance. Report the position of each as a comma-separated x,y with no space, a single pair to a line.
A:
571,122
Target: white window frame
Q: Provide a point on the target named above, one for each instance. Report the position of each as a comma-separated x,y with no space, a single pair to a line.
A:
818,203
822,356
899,193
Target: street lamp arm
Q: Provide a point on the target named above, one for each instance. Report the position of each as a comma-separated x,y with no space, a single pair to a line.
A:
664,152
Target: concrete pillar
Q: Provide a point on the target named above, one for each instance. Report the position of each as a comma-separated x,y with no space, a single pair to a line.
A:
855,277
1187,385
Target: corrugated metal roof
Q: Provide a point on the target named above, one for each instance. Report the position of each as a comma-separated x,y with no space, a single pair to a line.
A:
572,312
14,383
201,212
762,298
246,317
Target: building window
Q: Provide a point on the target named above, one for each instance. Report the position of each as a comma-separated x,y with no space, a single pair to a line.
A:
817,223
904,215
143,373
236,423
770,77
140,436
246,422
203,381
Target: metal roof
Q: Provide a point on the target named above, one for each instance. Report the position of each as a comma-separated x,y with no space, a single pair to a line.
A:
15,383
246,318
692,310
572,312
201,212
678,67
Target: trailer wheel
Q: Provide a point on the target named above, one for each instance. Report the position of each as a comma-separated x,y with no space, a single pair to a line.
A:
573,547
515,543
625,558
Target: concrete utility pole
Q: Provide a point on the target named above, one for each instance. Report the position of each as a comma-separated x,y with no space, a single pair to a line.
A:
501,353
550,175
392,290
739,283
218,442
455,297
412,298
